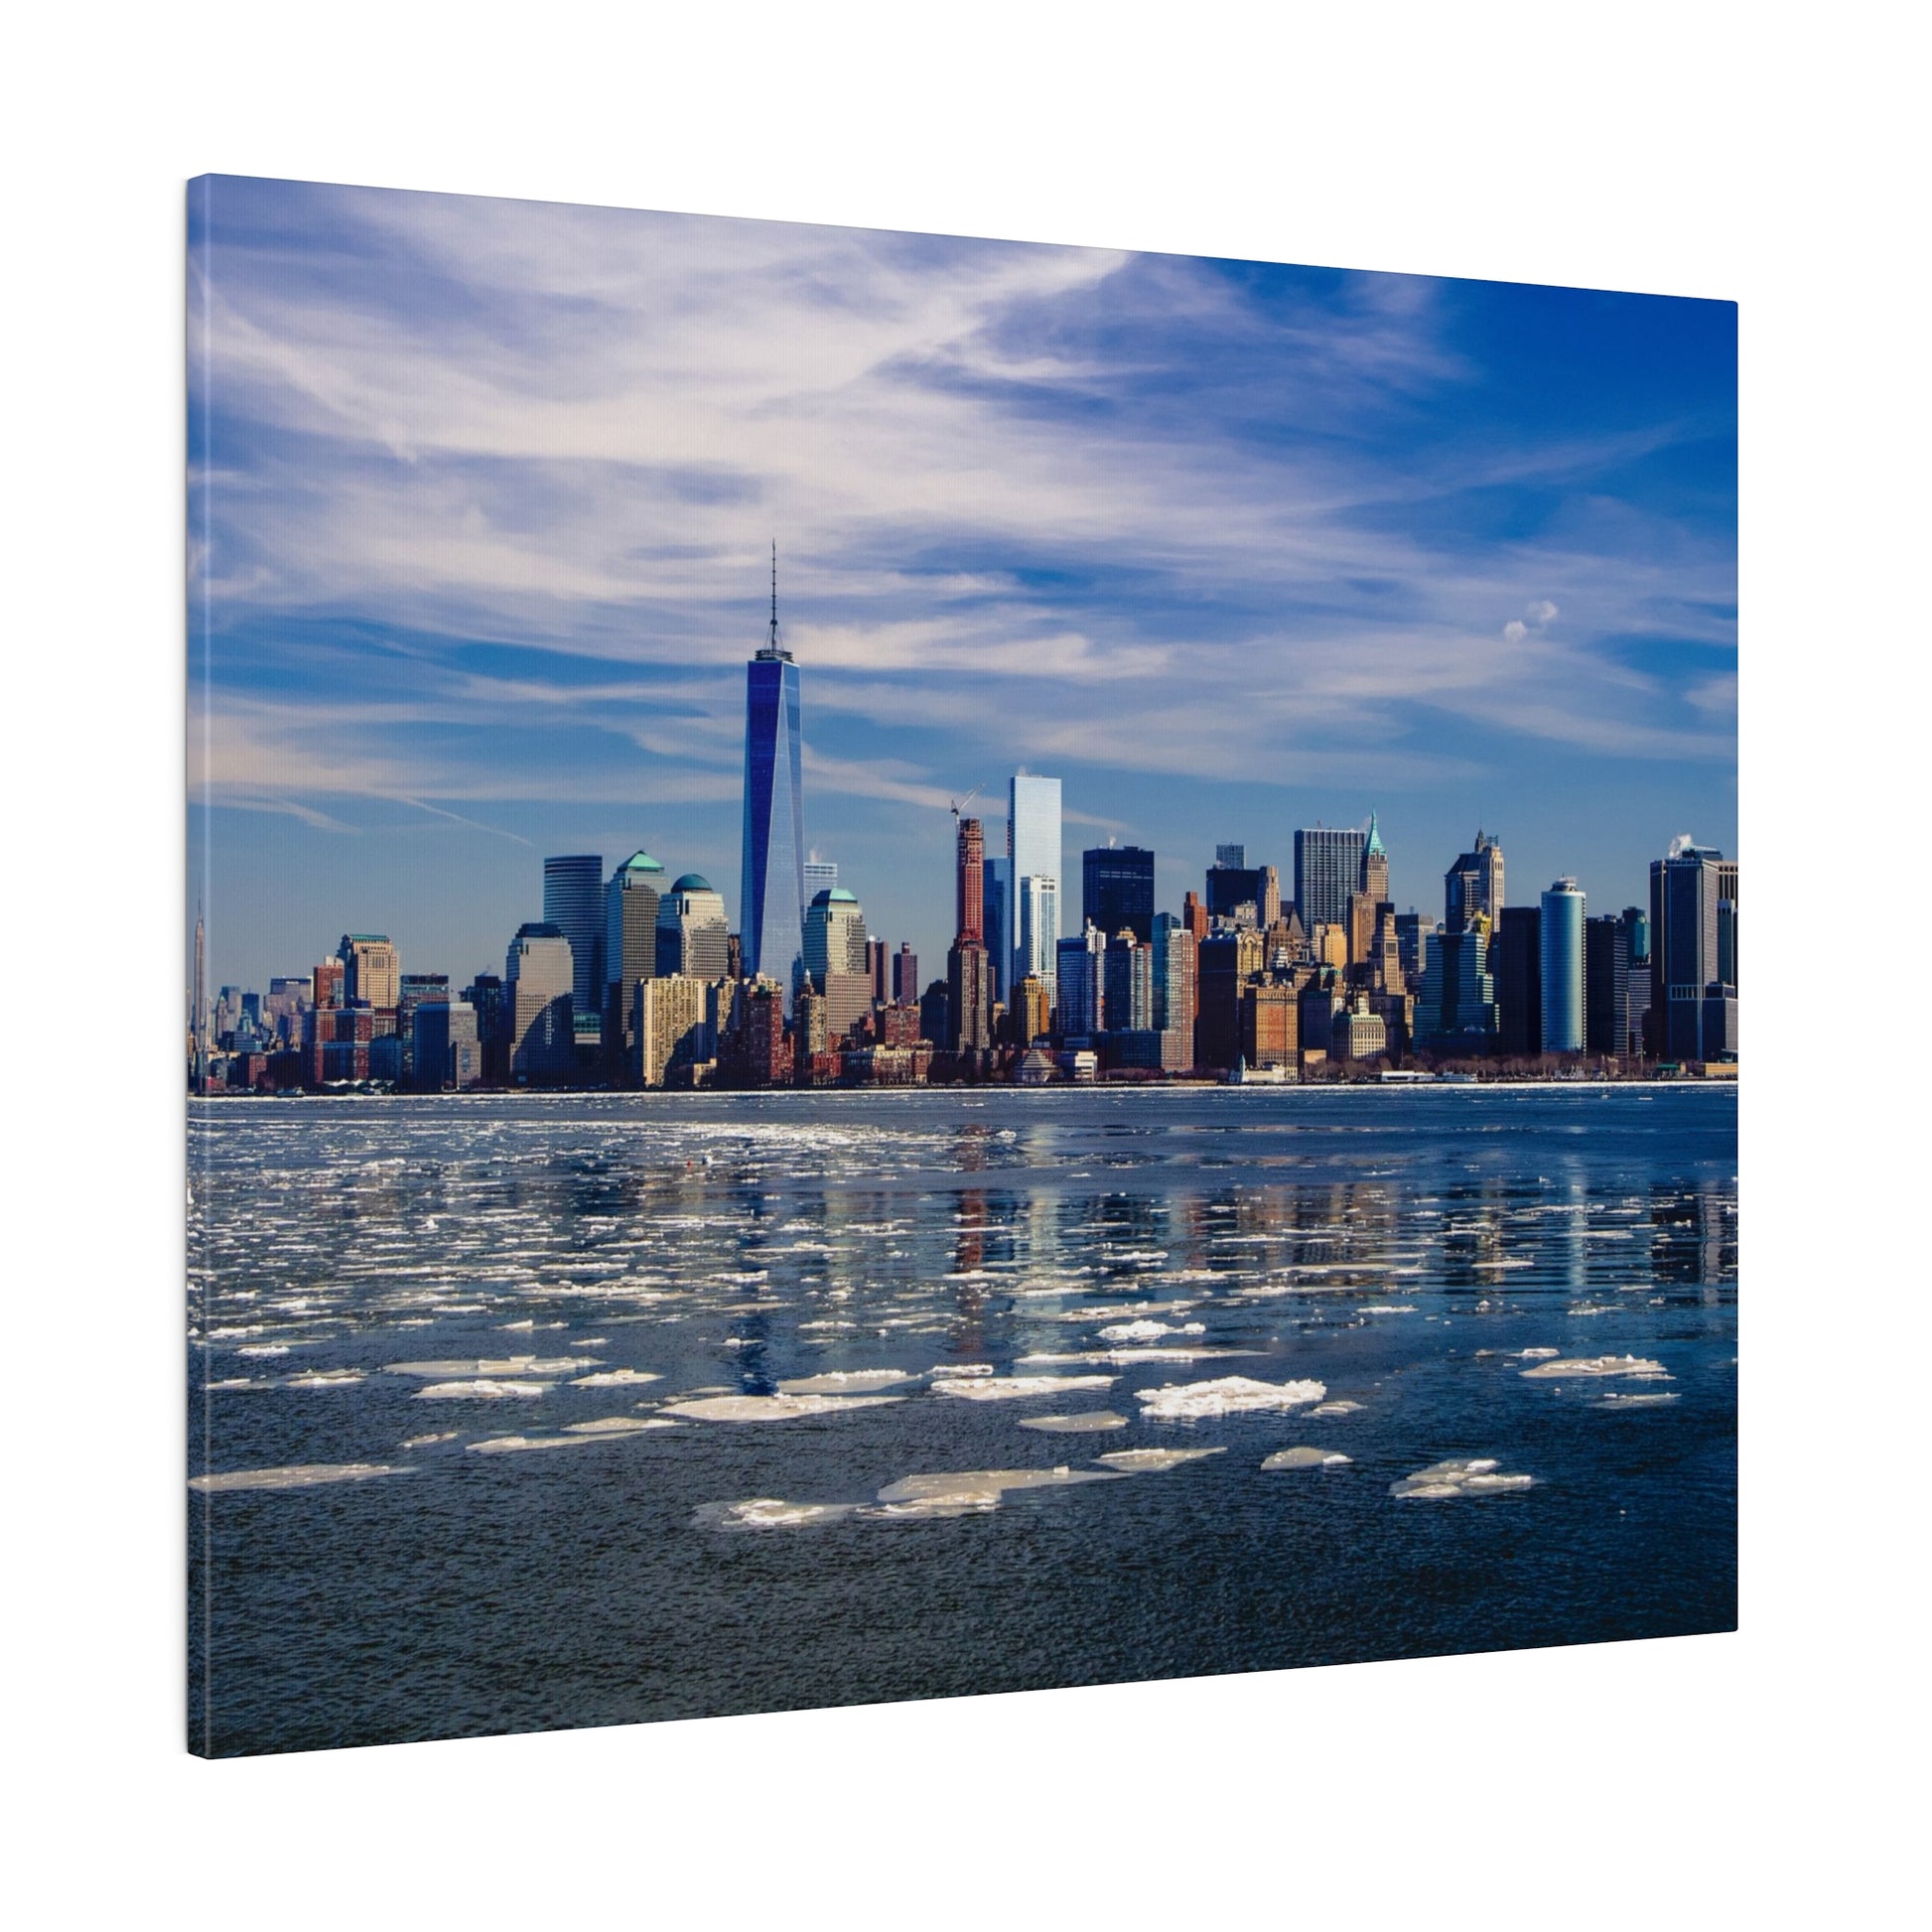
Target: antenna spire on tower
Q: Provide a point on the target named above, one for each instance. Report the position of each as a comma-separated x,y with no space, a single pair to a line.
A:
775,594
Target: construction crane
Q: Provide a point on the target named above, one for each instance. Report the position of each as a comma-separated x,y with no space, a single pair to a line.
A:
960,805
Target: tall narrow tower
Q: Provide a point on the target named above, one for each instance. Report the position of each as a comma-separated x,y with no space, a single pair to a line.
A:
197,1026
771,890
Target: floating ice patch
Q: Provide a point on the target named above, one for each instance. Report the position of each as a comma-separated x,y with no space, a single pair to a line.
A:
1150,1330
1230,1395
501,1365
617,1426
615,1378
1127,1357
1150,1462
1343,1408
1389,1307
301,1475
1472,1476
510,1327
326,1378
844,1381
1619,1399
1002,1388
769,1513
1635,1368
484,1389
1088,1422
974,1490
514,1444
239,1382
1304,1458
423,1442
772,1408
1536,1354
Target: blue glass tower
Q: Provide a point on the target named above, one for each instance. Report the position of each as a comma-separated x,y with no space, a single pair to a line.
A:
771,890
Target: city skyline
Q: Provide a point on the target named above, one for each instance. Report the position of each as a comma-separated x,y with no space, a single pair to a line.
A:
1295,543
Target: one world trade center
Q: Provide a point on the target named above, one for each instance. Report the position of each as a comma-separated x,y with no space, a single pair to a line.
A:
771,890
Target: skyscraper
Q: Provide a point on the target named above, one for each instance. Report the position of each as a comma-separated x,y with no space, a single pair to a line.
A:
1117,890
1606,986
821,875
573,902
538,977
1692,944
198,1009
1516,959
905,975
835,958
630,903
1474,884
996,902
1327,869
969,979
371,969
1375,864
1034,846
693,938
772,888
1561,938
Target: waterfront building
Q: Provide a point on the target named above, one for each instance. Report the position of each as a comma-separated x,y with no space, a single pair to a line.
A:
1271,1032
573,902
836,959
1606,986
1560,943
1719,1022
935,1014
1693,941
906,976
1224,963
693,935
1174,1000
768,1048
414,990
995,920
371,970
820,875
1636,926
631,903
1327,873
1516,959
1038,933
1034,847
1080,1004
538,974
1033,1010
1128,980
669,1023
771,882
488,999
1117,890
1474,884
1317,1004
445,1050
1358,1032
1456,1009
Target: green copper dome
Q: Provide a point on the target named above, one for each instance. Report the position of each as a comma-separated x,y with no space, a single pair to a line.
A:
693,881
640,862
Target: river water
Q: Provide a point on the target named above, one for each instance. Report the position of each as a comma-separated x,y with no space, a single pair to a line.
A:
515,1413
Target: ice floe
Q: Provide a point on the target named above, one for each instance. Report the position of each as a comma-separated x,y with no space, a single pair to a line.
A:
1148,1331
1304,1457
301,1475
1088,1422
264,1348
615,1378
485,1366
513,1444
484,1389
1342,1408
769,1513
326,1378
1150,1462
974,1490
1001,1388
1229,1395
1466,1476
772,1408
1635,1368
436,1436
845,1381
617,1426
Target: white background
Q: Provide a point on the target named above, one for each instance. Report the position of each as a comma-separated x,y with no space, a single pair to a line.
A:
1702,150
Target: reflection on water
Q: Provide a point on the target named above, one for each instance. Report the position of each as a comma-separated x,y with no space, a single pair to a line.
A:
1403,1250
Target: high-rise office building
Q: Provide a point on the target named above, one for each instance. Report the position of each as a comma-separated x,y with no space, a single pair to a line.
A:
1693,941
198,1011
1117,890
1636,926
538,974
1375,864
573,902
669,1023
444,1049
1456,1009
821,875
1561,938
1080,989
1606,986
1174,978
371,971
878,972
1033,847
969,884
1327,872
771,884
630,905
693,938
1229,887
1474,884
906,976
835,959
1232,857
1516,959
996,919
1128,981
1038,937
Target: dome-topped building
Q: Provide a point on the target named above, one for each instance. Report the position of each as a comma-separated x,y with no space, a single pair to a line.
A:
693,934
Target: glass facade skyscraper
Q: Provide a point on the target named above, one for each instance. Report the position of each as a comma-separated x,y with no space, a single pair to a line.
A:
1034,846
1327,871
1117,890
1561,935
573,902
771,890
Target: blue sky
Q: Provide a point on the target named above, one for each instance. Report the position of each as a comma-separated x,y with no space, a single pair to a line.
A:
484,493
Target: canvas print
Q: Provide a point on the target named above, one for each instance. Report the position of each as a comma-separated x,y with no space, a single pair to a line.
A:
922,966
